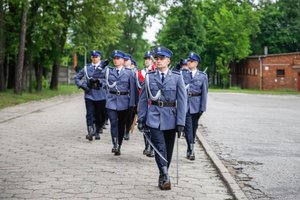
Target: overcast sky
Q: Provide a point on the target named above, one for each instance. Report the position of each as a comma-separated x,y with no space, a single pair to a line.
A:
152,30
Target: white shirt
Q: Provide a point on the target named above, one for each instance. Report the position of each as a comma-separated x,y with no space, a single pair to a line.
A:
194,72
96,65
165,73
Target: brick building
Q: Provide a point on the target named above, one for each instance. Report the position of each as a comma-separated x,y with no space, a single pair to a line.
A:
268,72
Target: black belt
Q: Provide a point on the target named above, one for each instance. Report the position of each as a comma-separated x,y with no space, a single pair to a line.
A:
163,103
194,94
118,92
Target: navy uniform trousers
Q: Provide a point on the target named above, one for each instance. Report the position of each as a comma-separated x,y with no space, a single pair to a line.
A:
117,124
191,126
164,143
95,113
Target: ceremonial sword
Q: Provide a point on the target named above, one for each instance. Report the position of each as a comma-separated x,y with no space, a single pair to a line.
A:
154,148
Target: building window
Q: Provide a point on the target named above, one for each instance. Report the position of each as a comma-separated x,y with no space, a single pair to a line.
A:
255,72
280,72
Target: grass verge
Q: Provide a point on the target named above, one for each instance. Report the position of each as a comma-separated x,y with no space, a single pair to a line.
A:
8,98
252,91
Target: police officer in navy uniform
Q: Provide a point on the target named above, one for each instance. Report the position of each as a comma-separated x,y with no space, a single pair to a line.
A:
94,95
140,79
197,88
129,118
120,98
161,107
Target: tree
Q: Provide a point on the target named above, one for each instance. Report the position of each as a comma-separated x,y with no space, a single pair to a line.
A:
280,27
134,25
2,47
19,67
230,25
183,36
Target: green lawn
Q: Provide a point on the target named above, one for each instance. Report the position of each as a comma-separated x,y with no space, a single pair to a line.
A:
8,98
252,91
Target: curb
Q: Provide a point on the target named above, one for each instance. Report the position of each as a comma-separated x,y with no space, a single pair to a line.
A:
232,185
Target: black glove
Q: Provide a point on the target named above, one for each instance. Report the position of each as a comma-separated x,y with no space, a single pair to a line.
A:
141,126
178,65
94,83
85,88
179,130
105,63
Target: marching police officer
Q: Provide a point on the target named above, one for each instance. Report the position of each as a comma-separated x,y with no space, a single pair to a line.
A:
94,95
128,65
162,102
197,88
120,98
140,78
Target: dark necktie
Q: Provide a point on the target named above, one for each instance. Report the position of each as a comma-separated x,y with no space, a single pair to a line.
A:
118,72
162,77
191,74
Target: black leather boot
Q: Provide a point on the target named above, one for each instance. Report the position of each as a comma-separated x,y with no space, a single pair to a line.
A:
118,151
97,136
145,152
160,179
192,156
150,152
166,184
188,151
115,143
126,136
90,134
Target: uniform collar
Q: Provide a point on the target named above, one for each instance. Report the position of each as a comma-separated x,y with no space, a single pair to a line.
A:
194,72
166,72
119,68
97,64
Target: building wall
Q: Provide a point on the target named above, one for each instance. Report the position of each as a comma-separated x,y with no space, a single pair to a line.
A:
246,73
271,80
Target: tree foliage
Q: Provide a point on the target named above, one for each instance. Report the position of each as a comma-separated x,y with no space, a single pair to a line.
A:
229,30
49,25
280,27
218,30
134,25
184,30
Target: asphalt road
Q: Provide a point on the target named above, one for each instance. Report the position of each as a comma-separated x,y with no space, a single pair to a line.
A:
258,139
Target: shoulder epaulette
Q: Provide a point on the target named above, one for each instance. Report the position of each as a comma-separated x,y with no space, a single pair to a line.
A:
176,72
110,67
151,72
203,73
128,68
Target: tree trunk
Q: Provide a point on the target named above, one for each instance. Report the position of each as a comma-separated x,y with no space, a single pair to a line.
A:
54,76
56,64
19,69
2,48
39,73
30,71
